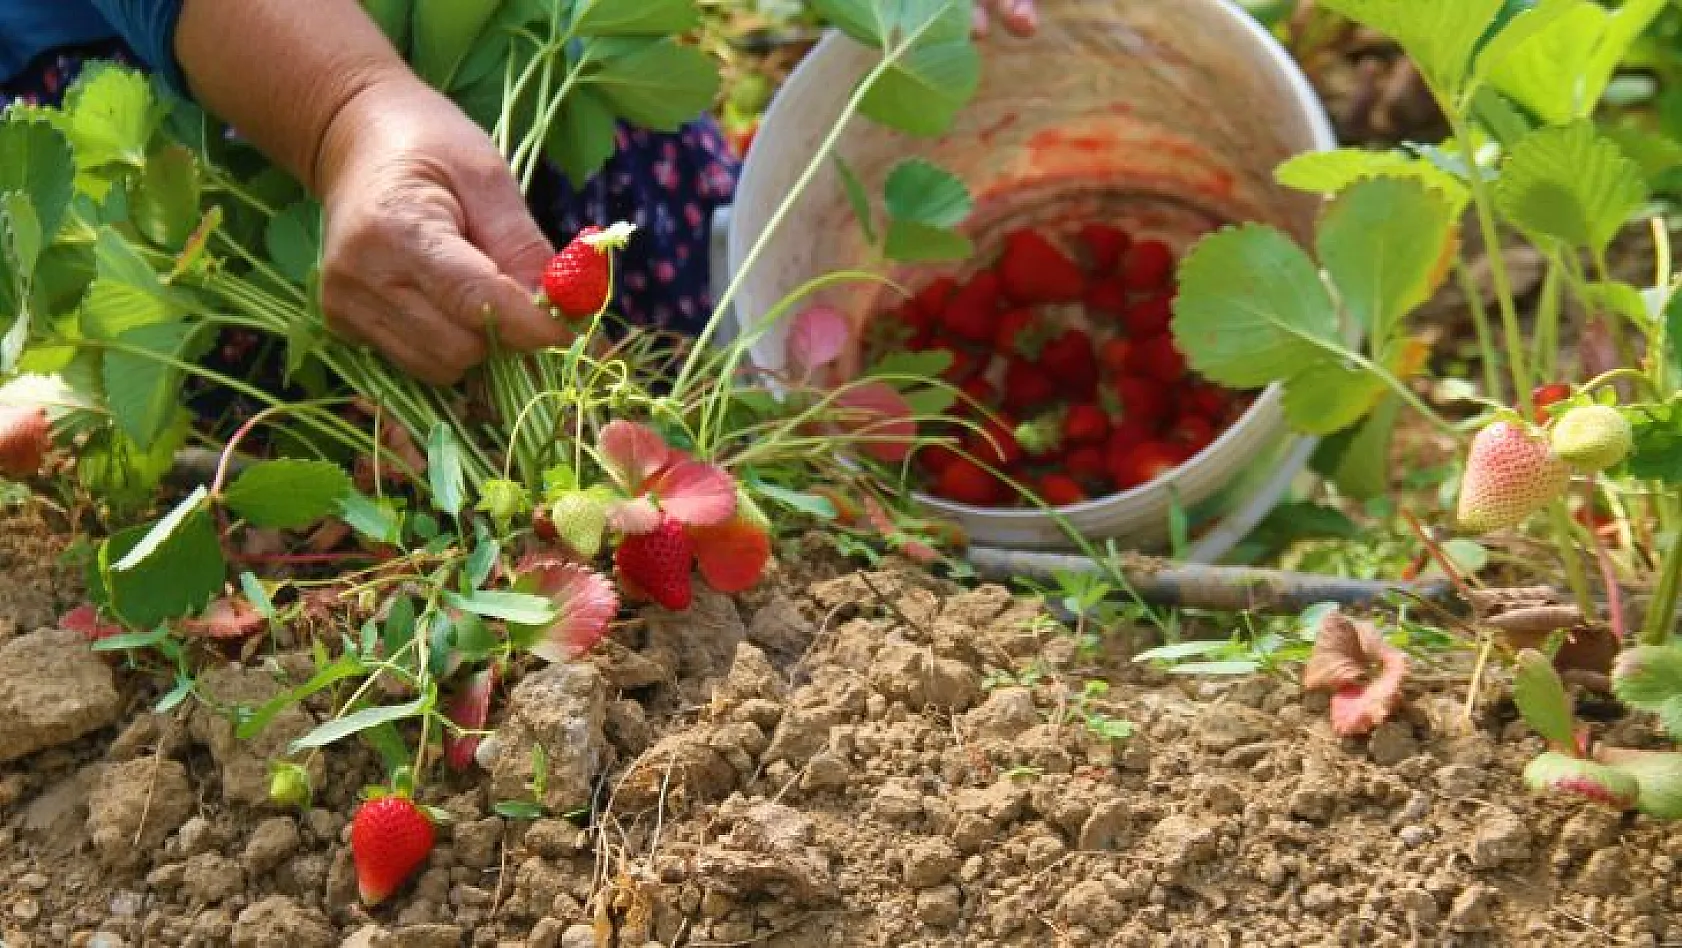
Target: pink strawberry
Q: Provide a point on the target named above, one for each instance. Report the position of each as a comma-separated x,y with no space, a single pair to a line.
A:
659,563
1511,472
24,437
390,837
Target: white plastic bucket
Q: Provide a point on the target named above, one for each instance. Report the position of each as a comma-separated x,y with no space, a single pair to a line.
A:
1168,116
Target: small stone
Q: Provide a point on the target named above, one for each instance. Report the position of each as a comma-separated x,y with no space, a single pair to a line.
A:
552,839
1414,836
134,806
1391,743
1006,713
280,922
1473,910
272,843
476,842
546,933
930,863
195,836
1222,727
1588,830
825,771
562,708
940,907
210,878
1420,907
106,940
424,936
1501,838
26,909
40,710
33,881
1605,873
579,936
1459,780
898,802
1312,804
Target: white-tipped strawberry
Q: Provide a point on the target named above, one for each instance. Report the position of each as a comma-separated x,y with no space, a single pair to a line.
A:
1511,473
1592,438
25,435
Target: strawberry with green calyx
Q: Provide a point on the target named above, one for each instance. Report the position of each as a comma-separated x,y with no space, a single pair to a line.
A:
1592,438
502,501
1042,437
658,564
391,837
1511,473
1012,330
578,518
579,279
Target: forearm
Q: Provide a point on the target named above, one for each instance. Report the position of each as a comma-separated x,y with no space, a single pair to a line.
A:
281,71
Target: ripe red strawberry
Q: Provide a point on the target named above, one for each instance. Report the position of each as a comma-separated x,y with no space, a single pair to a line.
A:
1144,464
1085,463
1150,316
1114,354
964,364
25,435
1158,359
1142,400
1026,387
1108,296
937,457
659,563
1192,432
911,321
1013,325
931,301
1511,472
965,482
1148,266
1060,490
1086,424
974,309
1033,271
390,838
996,443
1104,246
1072,363
981,392
1210,401
577,281
1127,434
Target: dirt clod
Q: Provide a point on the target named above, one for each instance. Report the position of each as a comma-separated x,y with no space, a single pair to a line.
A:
561,709
40,710
280,922
134,807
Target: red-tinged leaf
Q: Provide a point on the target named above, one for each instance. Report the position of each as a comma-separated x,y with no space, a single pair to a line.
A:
877,411
731,557
817,337
584,600
633,453
469,708
85,621
1364,672
226,618
1553,772
920,553
1658,774
695,493
638,515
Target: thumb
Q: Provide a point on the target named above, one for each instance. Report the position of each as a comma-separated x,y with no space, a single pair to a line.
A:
501,225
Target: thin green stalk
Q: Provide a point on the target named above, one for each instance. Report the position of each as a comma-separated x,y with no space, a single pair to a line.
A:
1480,322
1485,205
1661,612
819,160
1547,323
1576,575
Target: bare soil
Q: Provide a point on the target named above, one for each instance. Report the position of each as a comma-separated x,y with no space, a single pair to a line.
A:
841,758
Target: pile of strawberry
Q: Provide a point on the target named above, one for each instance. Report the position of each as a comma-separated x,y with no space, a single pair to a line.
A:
1069,358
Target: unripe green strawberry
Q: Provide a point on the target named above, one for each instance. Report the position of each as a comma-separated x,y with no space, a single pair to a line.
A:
1511,473
1592,438
580,518
289,784
503,501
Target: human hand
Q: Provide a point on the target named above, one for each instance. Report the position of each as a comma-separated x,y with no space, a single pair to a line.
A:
426,234
1019,16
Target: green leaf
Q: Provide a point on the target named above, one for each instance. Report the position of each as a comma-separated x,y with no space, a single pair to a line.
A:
581,139
143,392
162,530
1541,698
35,159
1229,667
519,608
925,193
1251,308
1657,774
863,20
259,596
345,666
287,494
798,501
1570,184
109,116
294,240
1649,677
443,470
334,731
642,17
857,197
1560,65
20,250
1363,472
928,400
1554,772
164,200
925,89
1438,35
378,521
657,85
443,32
1329,172
1673,332
1385,243
393,19
112,308
911,242
179,579
908,364
1329,396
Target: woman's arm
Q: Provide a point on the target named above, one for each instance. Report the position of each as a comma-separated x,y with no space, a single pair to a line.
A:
426,230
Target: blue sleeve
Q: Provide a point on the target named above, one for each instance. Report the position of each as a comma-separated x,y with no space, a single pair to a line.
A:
148,26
